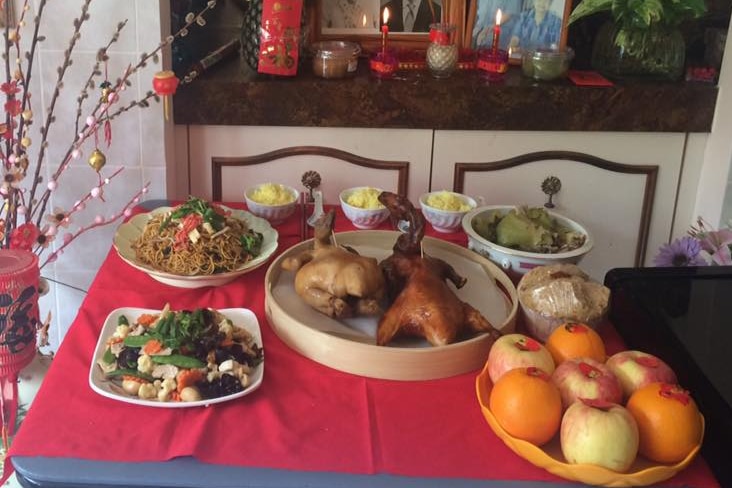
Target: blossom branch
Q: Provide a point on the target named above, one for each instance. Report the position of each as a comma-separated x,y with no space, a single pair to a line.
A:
99,221
50,117
191,19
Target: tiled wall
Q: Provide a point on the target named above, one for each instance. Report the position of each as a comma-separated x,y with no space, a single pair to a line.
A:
137,136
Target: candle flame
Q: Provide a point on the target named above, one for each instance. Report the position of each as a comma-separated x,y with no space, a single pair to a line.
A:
498,16
363,21
386,15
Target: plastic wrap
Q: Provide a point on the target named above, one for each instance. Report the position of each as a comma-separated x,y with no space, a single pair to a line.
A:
555,294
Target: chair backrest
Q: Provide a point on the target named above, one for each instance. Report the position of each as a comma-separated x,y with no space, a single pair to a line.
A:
232,175
517,180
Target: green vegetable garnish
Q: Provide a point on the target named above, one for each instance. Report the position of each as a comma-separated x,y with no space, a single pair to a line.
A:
252,242
179,360
197,206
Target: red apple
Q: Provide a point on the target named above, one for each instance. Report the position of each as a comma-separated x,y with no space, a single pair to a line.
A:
636,369
600,433
586,378
517,351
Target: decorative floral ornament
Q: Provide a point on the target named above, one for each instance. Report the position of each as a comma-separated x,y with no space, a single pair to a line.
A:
702,247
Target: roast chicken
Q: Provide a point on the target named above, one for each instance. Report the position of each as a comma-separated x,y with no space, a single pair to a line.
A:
421,302
335,280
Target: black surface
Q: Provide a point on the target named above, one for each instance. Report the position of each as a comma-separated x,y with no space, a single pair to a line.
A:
684,316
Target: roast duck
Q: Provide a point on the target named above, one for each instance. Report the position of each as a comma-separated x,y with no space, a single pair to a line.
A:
422,303
340,283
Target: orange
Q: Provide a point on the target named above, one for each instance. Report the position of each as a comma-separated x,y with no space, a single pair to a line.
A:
575,340
527,404
669,422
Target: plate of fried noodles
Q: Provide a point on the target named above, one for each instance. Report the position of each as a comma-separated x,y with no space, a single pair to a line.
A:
195,244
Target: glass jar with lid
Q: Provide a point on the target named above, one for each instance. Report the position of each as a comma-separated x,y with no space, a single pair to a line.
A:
335,59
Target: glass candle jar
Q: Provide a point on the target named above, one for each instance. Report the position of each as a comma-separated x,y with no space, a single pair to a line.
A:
442,52
384,63
493,63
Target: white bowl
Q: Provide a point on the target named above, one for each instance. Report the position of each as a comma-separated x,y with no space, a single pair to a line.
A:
445,220
277,213
362,218
513,260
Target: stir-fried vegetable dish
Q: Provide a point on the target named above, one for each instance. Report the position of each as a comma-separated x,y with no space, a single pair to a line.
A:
180,356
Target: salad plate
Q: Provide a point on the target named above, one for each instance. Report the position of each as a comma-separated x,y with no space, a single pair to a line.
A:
128,232
100,383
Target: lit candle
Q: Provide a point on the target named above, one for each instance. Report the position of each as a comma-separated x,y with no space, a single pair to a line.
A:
384,31
497,30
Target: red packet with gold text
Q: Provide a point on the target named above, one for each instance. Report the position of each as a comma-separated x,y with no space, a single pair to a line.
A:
280,37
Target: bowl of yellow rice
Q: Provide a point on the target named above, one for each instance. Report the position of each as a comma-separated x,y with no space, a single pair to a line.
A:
362,207
272,201
444,210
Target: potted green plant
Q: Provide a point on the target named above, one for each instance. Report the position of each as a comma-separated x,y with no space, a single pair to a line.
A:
643,38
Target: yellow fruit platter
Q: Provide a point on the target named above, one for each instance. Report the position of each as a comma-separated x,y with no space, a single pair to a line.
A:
549,456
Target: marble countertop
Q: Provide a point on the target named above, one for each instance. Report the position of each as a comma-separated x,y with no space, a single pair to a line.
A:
232,94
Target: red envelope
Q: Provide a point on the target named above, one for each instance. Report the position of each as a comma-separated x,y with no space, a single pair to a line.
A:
588,78
279,40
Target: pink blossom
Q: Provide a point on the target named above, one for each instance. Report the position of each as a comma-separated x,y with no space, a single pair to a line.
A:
13,107
59,217
10,87
24,236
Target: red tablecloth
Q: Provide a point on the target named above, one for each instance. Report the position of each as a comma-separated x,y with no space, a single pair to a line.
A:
305,416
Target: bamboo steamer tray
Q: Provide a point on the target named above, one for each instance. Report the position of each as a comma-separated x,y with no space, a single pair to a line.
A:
349,345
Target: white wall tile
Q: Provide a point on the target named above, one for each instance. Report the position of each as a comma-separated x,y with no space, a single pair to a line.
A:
143,157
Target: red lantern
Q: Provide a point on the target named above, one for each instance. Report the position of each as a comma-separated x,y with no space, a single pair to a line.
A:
165,83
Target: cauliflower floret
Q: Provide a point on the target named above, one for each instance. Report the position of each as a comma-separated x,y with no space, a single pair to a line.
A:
166,387
147,391
236,369
145,364
121,331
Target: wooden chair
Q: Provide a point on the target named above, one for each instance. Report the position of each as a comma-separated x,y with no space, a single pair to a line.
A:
519,179
230,176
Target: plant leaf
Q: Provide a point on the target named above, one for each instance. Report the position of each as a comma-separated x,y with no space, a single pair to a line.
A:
589,7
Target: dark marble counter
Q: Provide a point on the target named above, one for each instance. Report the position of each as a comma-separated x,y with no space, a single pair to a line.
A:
231,94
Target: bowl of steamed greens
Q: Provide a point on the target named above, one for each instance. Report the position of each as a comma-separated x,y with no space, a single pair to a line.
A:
519,238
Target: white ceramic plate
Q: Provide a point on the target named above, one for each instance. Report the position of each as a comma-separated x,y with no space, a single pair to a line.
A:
129,231
241,317
350,345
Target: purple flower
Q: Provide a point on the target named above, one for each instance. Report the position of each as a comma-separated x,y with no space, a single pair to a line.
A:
681,252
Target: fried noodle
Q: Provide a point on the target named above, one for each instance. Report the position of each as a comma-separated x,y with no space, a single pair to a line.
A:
211,253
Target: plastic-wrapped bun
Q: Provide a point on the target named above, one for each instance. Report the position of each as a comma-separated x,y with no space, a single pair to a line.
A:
552,295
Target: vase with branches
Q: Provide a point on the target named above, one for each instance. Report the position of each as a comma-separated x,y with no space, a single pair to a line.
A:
34,218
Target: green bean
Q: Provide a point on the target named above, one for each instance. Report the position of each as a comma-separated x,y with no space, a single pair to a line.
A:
122,320
108,356
130,372
179,360
136,340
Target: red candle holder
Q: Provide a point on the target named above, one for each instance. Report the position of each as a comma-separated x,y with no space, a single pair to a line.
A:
384,64
493,63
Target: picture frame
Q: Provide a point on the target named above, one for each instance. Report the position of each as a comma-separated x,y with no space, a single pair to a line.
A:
518,29
360,21
7,15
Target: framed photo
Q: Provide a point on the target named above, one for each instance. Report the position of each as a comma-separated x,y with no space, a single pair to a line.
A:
525,24
361,21
7,14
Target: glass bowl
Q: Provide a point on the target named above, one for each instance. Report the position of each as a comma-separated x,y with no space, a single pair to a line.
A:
546,64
